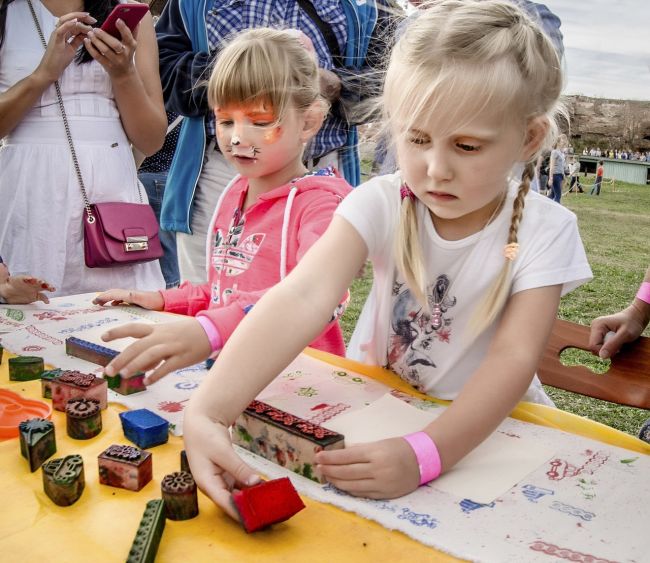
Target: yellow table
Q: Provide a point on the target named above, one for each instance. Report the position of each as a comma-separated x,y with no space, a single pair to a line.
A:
101,525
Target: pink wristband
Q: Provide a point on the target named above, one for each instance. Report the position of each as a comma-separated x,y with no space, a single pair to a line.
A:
644,292
427,455
216,342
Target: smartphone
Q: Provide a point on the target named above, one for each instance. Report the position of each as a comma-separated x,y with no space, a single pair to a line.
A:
130,14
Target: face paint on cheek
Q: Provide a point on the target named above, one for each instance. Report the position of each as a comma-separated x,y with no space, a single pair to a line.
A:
273,135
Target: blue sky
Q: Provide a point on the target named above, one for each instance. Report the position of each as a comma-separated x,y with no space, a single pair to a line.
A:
607,46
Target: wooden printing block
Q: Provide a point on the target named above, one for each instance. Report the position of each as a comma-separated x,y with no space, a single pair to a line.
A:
144,428
179,493
25,368
46,382
63,479
267,503
37,441
89,351
283,438
74,385
83,418
126,467
126,385
147,538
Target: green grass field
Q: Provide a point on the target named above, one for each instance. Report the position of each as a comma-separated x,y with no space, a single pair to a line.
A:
615,230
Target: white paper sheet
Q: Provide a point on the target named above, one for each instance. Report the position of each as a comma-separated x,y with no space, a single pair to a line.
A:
486,473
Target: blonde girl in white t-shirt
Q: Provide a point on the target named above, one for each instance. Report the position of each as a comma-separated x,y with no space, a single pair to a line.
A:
459,253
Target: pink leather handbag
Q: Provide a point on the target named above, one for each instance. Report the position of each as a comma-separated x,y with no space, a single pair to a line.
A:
115,233
120,234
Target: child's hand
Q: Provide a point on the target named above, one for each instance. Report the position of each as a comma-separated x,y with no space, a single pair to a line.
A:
627,325
163,348
216,468
151,300
20,290
379,470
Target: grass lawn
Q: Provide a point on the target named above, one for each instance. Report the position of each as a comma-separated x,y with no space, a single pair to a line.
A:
615,230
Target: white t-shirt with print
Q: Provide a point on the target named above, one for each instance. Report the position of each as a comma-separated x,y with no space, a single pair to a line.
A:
393,329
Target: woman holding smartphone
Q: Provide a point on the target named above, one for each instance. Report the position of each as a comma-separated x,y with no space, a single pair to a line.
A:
112,96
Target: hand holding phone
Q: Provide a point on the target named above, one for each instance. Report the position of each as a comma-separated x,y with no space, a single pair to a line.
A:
130,14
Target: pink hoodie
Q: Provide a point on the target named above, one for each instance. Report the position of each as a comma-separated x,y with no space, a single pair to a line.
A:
249,253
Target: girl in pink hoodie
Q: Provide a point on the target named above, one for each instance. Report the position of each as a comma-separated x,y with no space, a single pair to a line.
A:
265,93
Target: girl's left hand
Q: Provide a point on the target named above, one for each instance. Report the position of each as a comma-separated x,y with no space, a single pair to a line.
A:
21,290
115,55
378,470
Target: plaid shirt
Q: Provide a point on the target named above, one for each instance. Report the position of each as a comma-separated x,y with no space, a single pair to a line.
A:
230,16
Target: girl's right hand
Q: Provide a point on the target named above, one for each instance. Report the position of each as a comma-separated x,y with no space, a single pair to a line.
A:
66,38
216,468
151,300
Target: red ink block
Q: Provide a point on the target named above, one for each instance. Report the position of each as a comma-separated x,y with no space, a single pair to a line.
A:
283,438
126,467
89,351
37,441
63,479
268,503
179,493
77,385
83,418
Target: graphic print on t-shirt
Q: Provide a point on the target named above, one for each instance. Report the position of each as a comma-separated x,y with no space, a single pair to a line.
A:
233,254
412,332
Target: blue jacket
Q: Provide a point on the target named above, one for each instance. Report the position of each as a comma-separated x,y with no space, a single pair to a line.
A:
182,29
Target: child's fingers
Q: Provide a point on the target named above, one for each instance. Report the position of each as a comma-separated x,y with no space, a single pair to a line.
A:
347,472
135,330
358,488
172,363
116,295
42,297
346,456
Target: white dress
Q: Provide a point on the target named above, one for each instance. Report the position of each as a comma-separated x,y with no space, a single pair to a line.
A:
41,206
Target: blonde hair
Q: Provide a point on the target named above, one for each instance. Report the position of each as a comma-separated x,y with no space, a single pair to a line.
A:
266,66
457,59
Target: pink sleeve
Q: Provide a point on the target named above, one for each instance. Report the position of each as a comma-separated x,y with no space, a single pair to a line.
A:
188,299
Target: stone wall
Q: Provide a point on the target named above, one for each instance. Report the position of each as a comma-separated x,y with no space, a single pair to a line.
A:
623,124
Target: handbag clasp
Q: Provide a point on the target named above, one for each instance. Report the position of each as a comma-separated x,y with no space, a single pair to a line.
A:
136,244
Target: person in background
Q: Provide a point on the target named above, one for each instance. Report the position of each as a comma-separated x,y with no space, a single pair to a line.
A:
600,172
112,96
466,282
574,174
556,169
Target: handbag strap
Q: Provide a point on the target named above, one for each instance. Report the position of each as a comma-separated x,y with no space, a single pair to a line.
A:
75,161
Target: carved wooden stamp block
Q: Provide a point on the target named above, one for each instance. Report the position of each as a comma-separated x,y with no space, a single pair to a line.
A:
83,418
46,382
89,351
179,493
63,479
75,385
147,538
267,503
126,385
144,428
37,441
283,438
185,465
126,467
25,368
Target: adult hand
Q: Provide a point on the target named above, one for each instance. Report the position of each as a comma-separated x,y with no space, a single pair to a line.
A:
161,347
627,325
151,300
66,38
115,55
216,468
21,290
379,470
330,85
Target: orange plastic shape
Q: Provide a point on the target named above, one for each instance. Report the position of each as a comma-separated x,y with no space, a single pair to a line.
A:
14,409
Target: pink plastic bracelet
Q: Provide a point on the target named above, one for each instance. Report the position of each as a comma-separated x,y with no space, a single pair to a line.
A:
427,455
644,292
216,342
